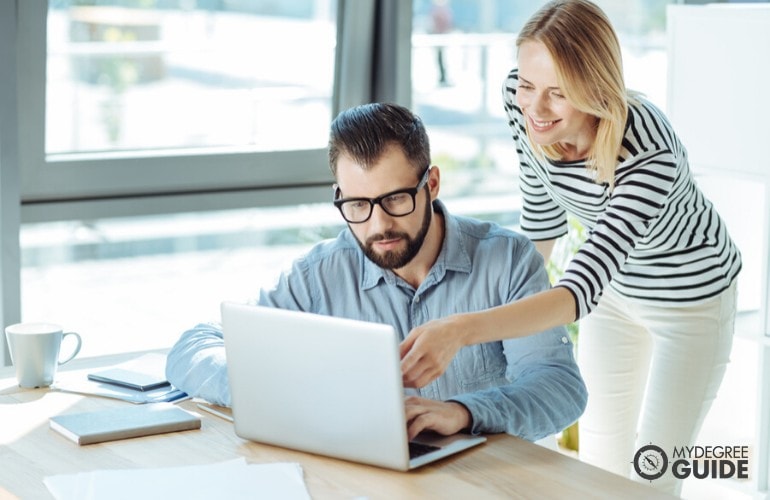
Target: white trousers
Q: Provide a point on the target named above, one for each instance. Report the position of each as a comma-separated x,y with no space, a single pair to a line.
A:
652,374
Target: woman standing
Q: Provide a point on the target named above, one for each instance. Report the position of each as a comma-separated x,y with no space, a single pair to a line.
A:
653,284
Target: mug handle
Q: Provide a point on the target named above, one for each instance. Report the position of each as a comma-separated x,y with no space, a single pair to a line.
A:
77,347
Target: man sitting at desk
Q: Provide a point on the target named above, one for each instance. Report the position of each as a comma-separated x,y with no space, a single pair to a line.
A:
404,260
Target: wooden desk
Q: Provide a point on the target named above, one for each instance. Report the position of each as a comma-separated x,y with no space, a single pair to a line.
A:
504,467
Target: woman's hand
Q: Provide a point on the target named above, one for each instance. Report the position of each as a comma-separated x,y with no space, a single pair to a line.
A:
428,349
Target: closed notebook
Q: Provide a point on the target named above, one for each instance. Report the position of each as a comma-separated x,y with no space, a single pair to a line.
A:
124,422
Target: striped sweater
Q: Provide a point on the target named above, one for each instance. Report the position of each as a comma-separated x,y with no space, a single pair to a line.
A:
653,238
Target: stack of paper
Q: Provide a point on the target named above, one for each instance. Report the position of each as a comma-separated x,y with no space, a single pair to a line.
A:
234,480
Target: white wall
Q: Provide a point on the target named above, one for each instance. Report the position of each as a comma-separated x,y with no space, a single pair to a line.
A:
719,103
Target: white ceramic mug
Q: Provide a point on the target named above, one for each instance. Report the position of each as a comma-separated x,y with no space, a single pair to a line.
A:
35,348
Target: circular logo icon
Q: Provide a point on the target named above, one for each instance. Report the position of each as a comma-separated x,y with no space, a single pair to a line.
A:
650,462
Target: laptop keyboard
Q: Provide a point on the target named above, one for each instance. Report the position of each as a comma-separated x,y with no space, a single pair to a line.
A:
419,449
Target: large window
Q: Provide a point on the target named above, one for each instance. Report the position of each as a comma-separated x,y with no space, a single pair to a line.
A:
125,99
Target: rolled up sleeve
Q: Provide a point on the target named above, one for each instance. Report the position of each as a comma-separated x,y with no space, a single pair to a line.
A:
197,364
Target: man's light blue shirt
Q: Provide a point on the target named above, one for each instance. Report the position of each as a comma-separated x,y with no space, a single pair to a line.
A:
529,387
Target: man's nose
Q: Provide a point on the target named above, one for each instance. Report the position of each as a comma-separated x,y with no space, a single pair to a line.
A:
380,219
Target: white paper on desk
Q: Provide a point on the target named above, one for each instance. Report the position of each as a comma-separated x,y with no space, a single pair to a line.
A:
234,479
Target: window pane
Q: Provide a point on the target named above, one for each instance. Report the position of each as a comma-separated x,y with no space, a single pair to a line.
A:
151,74
461,52
137,283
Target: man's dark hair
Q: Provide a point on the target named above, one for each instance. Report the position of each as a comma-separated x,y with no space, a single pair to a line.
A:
365,132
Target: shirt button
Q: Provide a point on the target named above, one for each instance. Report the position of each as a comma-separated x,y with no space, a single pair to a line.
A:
564,340
417,299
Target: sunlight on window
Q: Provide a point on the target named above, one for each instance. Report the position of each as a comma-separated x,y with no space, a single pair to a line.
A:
125,75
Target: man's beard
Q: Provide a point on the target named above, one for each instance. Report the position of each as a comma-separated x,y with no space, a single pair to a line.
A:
398,259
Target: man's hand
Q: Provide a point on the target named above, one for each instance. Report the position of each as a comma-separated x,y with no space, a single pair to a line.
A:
428,349
446,418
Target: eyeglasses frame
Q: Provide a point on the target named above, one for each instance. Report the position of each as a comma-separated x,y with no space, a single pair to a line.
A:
338,202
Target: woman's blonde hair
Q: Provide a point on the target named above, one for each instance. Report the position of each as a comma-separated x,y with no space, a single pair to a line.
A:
589,69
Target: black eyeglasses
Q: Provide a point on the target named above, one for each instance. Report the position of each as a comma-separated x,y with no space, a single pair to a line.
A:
396,203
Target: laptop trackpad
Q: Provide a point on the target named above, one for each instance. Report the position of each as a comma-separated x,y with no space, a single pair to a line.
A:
428,447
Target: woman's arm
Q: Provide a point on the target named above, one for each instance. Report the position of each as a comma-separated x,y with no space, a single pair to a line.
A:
428,349
545,248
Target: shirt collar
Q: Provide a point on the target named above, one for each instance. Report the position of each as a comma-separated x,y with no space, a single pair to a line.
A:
453,256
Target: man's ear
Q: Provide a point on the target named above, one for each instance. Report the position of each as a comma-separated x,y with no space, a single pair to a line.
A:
434,182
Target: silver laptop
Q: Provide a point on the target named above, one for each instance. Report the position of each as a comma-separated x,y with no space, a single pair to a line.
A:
323,385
